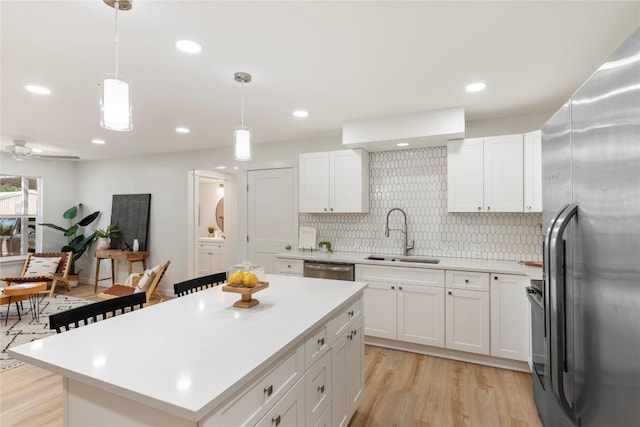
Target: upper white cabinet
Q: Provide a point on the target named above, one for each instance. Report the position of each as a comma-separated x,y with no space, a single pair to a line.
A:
485,174
334,181
533,171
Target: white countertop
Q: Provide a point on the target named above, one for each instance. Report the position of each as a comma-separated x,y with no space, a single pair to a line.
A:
187,355
468,264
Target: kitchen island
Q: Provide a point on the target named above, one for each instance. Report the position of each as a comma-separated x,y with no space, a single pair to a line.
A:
197,360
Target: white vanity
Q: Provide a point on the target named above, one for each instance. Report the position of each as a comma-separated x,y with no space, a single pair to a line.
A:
211,256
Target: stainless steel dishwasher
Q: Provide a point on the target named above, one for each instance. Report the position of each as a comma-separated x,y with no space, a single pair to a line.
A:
329,270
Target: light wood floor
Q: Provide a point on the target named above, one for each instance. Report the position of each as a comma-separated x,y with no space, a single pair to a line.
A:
401,389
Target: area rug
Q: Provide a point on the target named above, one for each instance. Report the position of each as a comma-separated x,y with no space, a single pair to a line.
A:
18,332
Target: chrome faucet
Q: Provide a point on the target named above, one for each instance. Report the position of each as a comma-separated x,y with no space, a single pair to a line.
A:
406,247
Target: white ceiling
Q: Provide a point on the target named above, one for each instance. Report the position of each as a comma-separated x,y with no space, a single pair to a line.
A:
341,61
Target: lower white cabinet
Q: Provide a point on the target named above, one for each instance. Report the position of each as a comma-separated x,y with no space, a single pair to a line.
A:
381,310
510,329
211,258
467,321
317,383
289,411
290,267
347,375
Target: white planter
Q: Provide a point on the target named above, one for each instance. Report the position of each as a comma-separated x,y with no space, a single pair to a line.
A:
103,243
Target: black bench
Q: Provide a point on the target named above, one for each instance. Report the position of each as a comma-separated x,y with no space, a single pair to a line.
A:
199,283
91,313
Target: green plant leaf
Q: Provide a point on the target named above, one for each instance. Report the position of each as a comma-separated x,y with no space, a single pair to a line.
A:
56,227
88,219
71,213
71,230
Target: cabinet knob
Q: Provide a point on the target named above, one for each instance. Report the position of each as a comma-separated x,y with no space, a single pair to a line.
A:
479,208
400,287
495,277
529,207
320,342
350,313
288,265
488,208
355,332
331,209
325,209
393,287
276,420
288,247
268,390
449,293
466,280
321,389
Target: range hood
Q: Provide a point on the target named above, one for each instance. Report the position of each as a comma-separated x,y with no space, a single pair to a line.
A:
424,129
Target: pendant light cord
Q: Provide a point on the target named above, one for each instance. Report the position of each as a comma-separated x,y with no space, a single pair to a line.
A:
242,103
117,6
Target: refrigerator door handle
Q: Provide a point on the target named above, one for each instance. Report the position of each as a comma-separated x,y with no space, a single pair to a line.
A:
558,310
547,273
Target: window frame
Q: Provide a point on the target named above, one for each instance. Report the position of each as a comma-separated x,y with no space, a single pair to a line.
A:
26,216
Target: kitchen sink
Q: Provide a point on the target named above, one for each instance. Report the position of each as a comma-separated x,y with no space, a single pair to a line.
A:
397,258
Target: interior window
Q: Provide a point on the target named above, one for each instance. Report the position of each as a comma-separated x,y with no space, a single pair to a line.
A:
19,213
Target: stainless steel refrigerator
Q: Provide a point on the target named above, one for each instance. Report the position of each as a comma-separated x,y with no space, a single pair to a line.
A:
590,353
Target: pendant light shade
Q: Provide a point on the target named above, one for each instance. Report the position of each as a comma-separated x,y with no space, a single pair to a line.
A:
115,92
115,103
242,150
242,146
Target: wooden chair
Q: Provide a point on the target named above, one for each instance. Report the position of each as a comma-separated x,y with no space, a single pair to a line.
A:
61,274
96,311
199,283
119,289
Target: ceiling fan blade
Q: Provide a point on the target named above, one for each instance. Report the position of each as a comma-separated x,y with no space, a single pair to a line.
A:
36,156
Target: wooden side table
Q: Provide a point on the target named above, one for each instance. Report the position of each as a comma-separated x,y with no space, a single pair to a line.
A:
114,254
19,291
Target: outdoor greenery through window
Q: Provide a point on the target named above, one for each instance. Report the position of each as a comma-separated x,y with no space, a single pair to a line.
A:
19,213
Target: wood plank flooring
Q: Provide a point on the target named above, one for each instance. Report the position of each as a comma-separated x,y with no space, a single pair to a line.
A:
401,389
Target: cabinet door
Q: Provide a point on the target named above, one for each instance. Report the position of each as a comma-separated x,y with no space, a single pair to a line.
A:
218,263
349,181
339,382
533,171
355,366
420,314
380,310
464,175
467,324
289,411
204,261
503,173
314,182
509,317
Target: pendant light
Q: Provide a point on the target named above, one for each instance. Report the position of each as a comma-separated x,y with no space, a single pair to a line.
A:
242,147
115,92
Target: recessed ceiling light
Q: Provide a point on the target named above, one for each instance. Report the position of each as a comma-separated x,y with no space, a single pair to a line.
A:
221,167
188,46
182,130
40,90
402,144
301,113
98,141
36,150
235,167
475,87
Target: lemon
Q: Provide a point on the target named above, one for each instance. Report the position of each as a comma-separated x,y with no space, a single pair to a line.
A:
250,279
236,278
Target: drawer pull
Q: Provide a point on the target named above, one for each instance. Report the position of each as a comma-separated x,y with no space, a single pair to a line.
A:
320,342
466,280
350,313
393,287
350,336
450,293
288,265
321,389
400,287
276,420
268,390
355,332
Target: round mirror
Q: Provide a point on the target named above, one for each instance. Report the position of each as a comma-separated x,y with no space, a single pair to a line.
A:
220,214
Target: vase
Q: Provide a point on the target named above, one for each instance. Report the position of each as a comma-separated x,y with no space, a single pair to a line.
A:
103,243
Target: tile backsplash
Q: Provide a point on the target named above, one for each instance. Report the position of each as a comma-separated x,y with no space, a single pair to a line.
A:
416,182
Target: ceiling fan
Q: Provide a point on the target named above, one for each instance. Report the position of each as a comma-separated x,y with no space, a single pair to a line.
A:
19,151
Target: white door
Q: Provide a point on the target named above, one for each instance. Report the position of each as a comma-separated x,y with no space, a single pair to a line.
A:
467,324
420,314
380,310
271,215
503,176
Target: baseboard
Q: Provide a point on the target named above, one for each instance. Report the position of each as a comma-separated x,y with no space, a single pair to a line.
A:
498,362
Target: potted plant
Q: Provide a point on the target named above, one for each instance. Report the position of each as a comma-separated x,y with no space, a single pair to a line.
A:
104,236
77,241
211,229
325,246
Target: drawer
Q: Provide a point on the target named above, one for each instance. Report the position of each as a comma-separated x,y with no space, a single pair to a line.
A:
325,418
467,280
259,397
341,321
317,383
211,246
290,266
289,411
413,276
316,344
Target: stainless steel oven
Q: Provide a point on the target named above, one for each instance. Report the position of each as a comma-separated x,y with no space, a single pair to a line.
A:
535,292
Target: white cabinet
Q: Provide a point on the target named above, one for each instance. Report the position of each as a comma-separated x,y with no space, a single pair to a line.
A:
347,363
290,267
411,308
289,411
334,181
211,258
467,321
533,171
485,174
317,389
510,328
